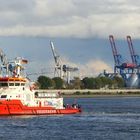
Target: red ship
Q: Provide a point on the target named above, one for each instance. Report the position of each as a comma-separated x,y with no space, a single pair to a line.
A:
17,97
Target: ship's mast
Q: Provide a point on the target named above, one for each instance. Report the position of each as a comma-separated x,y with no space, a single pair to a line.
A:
19,68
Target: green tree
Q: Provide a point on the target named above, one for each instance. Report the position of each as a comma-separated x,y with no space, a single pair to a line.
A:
101,82
45,82
76,83
106,82
58,83
109,82
88,82
97,83
118,82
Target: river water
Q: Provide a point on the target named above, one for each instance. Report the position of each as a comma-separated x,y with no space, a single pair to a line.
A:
103,118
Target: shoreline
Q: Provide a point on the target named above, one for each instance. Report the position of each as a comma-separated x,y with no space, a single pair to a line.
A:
87,93
100,96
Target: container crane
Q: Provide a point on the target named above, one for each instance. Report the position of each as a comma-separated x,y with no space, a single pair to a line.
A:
62,70
58,65
135,58
133,80
120,64
117,57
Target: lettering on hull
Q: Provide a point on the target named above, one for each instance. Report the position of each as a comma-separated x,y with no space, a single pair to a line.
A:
46,111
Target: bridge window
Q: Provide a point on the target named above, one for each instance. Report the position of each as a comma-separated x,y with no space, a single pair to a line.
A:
3,96
17,84
22,84
3,84
36,94
11,84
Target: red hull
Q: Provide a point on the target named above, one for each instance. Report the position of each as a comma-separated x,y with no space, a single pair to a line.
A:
15,107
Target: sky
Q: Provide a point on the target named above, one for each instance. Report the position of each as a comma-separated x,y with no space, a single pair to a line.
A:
79,30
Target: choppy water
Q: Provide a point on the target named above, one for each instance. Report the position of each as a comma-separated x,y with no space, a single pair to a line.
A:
114,118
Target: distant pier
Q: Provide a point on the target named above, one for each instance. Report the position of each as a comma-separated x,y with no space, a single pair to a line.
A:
95,91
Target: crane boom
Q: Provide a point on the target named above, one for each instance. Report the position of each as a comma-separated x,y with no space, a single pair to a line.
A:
134,57
63,70
56,57
117,57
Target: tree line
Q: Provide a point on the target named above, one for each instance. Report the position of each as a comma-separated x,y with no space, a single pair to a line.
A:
44,82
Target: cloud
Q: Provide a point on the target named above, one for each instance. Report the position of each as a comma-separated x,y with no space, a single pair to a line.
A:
37,68
91,68
94,68
70,18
